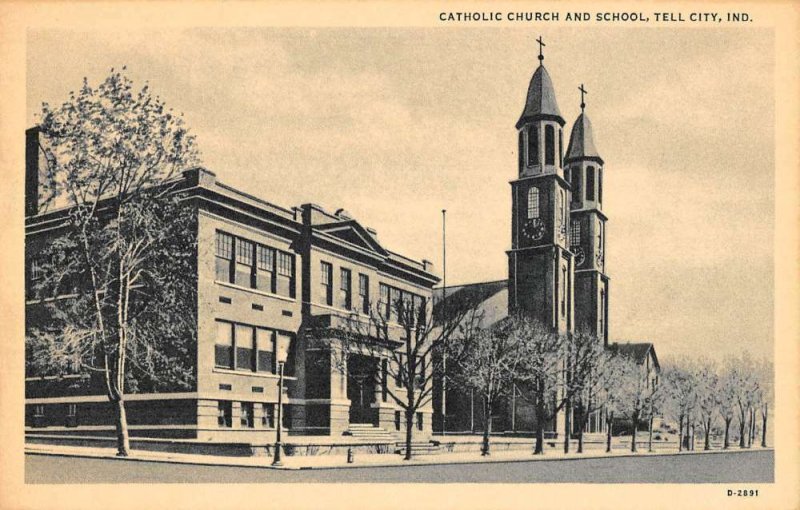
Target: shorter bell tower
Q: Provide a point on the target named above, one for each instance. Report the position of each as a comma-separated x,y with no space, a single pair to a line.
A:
587,230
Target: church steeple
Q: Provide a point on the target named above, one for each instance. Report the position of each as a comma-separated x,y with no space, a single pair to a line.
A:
584,166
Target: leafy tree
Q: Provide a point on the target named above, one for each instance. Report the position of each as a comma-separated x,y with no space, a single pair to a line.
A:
124,252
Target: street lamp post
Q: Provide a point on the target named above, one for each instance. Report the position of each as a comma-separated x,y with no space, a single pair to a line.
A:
281,353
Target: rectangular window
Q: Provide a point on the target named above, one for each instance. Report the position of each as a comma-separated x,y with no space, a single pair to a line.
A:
223,348
397,420
345,289
394,302
265,268
575,233
549,145
244,263
286,274
599,185
420,373
521,150
576,184
246,416
399,376
326,279
225,413
72,415
245,360
37,271
288,367
533,146
590,183
420,425
224,258
384,380
383,304
563,290
419,307
268,416
265,347
363,292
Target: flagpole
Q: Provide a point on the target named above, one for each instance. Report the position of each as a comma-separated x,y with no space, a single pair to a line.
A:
444,311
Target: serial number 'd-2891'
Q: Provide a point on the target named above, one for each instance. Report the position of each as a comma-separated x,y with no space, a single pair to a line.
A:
743,492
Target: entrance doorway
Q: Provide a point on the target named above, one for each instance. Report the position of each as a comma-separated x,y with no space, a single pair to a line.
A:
362,374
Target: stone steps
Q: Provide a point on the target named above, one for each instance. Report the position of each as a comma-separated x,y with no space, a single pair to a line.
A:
367,432
418,448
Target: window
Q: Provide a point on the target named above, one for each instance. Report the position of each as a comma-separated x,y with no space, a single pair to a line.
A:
562,210
419,421
394,302
225,413
38,415
383,304
590,183
521,149
599,185
363,292
224,257
549,145
72,415
419,307
37,271
563,290
265,268
243,340
244,263
223,350
285,274
246,417
397,420
399,376
576,184
327,283
265,347
575,233
420,373
560,148
288,367
600,248
345,289
533,202
384,380
268,416
602,314
533,146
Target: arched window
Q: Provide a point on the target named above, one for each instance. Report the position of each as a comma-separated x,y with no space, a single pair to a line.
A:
590,183
533,202
549,145
533,146
599,185
560,148
576,184
521,149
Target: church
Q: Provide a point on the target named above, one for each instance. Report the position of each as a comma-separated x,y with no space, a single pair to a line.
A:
556,264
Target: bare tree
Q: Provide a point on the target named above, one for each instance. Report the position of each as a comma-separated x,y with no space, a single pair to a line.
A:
125,244
680,396
411,336
766,387
489,362
708,396
727,388
542,373
635,389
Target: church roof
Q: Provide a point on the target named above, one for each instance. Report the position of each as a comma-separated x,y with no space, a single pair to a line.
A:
636,351
581,141
541,99
473,295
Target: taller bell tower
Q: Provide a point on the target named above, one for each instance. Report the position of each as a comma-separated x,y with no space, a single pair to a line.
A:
587,232
540,262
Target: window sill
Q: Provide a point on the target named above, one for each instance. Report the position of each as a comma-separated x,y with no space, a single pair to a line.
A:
256,291
263,375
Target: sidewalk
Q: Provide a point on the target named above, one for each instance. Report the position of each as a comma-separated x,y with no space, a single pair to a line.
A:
336,461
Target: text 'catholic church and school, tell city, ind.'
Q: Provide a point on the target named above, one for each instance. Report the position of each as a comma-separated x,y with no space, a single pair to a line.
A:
264,272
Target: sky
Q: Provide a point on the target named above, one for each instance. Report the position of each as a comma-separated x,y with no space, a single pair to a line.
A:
395,125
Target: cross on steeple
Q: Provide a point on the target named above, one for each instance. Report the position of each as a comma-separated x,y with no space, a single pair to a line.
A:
541,45
583,91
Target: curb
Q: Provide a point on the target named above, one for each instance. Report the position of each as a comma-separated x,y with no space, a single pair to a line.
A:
172,460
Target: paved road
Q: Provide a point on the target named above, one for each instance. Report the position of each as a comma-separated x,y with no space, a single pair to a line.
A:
755,466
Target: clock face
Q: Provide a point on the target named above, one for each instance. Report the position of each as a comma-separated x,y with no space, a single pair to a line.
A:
533,229
580,256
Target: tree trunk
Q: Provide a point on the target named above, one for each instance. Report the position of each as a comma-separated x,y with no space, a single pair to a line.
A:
635,419
726,444
680,434
693,428
650,434
741,428
409,432
764,412
567,410
707,442
609,427
539,447
752,426
487,425
123,443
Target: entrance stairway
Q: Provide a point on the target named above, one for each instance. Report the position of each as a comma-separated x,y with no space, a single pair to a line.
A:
418,448
370,433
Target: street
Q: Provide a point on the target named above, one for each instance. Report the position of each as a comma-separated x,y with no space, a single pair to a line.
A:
752,466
